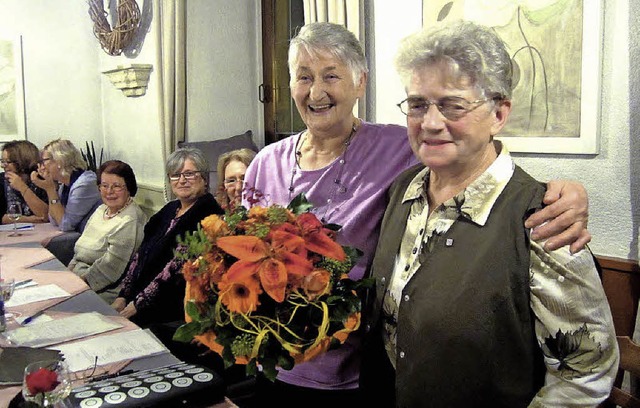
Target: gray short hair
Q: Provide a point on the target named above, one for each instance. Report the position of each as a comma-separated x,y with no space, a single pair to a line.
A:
66,155
332,38
176,160
472,51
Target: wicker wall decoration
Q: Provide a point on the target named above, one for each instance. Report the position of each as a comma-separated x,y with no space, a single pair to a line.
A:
114,40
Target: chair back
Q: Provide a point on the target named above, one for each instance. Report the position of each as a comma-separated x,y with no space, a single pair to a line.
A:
629,362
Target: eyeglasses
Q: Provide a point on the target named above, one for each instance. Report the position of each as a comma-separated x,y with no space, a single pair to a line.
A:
452,107
233,180
116,187
44,160
5,162
188,175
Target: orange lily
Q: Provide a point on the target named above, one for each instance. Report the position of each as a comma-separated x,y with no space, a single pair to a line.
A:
316,238
273,262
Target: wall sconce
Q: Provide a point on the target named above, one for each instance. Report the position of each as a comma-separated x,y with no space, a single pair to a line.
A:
131,79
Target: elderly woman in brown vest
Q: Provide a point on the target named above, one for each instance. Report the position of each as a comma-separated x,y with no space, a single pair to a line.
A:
468,310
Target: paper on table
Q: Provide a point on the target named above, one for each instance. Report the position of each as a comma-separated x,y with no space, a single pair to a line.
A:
59,330
36,294
19,225
110,349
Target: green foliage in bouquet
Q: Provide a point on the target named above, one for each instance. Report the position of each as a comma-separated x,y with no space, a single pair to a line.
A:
269,287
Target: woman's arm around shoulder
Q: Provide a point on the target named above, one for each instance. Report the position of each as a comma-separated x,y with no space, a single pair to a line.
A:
563,221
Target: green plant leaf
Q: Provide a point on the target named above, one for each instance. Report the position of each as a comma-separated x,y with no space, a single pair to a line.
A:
333,227
186,332
192,310
300,204
252,368
269,369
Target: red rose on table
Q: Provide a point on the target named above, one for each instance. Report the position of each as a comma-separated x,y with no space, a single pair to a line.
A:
43,380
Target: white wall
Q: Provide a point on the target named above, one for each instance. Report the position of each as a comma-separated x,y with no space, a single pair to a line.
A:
611,177
60,62
131,125
66,94
224,67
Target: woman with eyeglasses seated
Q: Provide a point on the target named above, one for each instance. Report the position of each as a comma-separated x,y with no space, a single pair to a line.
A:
231,169
468,309
19,159
114,232
71,189
153,287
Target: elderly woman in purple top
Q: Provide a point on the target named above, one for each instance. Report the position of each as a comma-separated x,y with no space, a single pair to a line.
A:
344,165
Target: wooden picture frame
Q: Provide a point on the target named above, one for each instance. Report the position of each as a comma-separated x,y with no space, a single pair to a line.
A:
557,78
12,111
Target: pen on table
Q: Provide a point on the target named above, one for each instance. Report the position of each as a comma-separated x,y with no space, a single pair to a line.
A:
106,376
22,283
24,227
33,316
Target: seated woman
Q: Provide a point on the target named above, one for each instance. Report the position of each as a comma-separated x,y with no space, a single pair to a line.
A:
19,159
114,232
153,288
72,203
469,311
231,169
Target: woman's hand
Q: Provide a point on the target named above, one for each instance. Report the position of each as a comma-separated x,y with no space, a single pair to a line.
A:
33,218
16,182
119,304
42,179
129,311
564,219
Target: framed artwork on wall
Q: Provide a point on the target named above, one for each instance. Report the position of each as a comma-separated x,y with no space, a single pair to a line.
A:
12,118
555,48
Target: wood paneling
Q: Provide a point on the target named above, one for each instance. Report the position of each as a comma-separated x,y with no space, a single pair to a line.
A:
621,282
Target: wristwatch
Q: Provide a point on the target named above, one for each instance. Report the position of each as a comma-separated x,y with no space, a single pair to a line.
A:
54,201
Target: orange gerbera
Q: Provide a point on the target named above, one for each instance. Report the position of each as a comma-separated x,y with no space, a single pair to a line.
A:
317,239
272,262
313,352
214,226
258,213
240,296
199,281
215,266
317,283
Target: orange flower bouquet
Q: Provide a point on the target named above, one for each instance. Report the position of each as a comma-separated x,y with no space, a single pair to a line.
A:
268,287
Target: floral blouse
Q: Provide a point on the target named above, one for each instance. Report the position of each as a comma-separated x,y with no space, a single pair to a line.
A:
573,323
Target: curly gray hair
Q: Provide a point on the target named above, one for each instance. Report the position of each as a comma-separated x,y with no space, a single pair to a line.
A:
332,38
472,51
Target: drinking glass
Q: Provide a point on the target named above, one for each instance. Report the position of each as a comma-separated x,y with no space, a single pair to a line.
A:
14,212
7,287
46,383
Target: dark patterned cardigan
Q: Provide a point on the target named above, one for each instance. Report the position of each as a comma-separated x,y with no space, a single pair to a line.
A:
154,280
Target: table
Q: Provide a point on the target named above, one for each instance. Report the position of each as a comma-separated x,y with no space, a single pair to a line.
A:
24,257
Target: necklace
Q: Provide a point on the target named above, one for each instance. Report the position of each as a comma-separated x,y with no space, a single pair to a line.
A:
108,216
337,181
